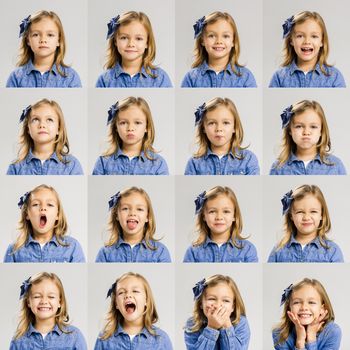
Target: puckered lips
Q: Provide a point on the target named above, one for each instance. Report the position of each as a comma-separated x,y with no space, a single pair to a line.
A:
43,220
132,223
130,307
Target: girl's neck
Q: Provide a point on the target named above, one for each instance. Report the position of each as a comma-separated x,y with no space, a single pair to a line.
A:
220,238
221,150
132,67
134,327
306,66
43,64
43,238
43,151
305,239
133,239
306,154
218,64
132,150
45,326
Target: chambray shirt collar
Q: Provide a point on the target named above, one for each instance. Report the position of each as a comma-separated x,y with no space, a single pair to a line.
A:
121,241
211,153
294,68
204,67
118,70
144,331
120,153
32,330
293,241
210,241
293,159
31,156
30,68
32,240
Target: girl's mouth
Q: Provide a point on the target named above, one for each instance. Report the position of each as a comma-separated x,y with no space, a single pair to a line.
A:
131,223
43,221
130,307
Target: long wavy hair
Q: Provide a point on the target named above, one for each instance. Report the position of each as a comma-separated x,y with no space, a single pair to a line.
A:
26,316
26,54
114,318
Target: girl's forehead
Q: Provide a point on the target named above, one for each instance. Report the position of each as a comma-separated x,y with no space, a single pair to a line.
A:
130,282
134,198
134,27
221,200
310,25
309,115
46,285
44,24
132,112
220,289
44,111
220,25
43,194
308,200
306,292
220,111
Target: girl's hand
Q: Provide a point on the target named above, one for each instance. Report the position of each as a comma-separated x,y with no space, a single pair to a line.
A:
314,327
300,330
217,316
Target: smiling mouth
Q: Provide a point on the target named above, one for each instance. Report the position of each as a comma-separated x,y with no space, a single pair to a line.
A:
43,221
44,308
130,307
307,49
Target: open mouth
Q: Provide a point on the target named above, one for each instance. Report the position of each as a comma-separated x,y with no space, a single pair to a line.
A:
43,221
219,48
307,49
304,316
130,307
44,308
131,223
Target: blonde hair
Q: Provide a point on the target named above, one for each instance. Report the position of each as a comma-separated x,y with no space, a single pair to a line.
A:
115,229
289,53
113,55
286,326
201,54
288,146
25,226
199,318
114,318
202,227
115,141
237,137
26,142
289,227
26,317
26,54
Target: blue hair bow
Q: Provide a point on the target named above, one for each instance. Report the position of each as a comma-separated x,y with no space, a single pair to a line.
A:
23,27
287,26
112,112
286,116
23,200
198,288
287,201
25,113
199,201
113,25
199,113
111,290
286,294
114,200
24,287
198,27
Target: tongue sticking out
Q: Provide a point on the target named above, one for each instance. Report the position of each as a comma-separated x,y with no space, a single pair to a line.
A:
43,220
130,308
131,225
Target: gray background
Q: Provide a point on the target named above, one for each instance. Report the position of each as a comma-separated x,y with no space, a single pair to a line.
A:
73,103
73,195
247,191
74,280
249,281
161,103
161,16
336,194
335,16
248,18
278,277
73,17
161,278
160,191
249,105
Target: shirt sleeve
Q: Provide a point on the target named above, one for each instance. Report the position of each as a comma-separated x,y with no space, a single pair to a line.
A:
165,342
163,167
273,170
12,81
251,254
202,340
189,256
275,82
252,165
339,81
98,345
99,168
76,168
77,254
283,346
80,343
165,80
11,170
75,81
13,345
272,256
100,82
190,168
164,255
101,256
250,81
235,337
337,256
9,256
341,168
187,82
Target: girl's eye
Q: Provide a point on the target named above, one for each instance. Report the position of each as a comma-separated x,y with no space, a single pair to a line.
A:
50,205
35,120
227,211
123,37
124,208
122,123
141,209
227,123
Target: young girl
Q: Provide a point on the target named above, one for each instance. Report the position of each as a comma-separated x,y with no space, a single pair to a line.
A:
219,227
132,229
131,137
130,55
43,227
42,51
131,317
306,50
308,319
220,137
219,318
306,225
43,143
216,54
306,143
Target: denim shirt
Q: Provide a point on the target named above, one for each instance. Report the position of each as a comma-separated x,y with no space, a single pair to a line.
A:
120,164
328,339
52,251
116,78
293,77
55,340
120,340
52,166
209,251
312,252
236,337
211,164
205,77
294,166
28,76
122,252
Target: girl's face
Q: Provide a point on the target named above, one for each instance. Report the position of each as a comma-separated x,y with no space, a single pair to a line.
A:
307,215
307,40
218,40
132,216
131,300
306,130
219,214
132,126
42,212
43,125
43,38
218,296
131,42
306,304
219,127
44,300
